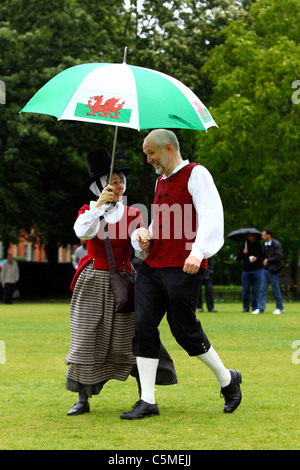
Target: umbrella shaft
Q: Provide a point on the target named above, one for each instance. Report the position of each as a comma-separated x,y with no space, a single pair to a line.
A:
113,154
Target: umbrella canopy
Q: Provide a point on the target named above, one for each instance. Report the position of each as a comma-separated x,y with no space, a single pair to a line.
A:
240,235
121,95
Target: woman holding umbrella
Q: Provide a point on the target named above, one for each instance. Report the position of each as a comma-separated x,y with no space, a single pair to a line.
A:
101,339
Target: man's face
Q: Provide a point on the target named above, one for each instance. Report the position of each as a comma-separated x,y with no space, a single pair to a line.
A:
155,156
265,236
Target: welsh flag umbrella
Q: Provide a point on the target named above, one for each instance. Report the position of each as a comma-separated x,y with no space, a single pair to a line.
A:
121,95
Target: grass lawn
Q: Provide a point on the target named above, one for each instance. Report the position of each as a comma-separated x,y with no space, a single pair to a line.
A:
34,401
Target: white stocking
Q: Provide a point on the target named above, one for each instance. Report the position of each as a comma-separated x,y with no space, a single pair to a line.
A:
212,360
147,368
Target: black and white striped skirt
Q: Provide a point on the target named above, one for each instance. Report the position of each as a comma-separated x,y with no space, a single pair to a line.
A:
101,340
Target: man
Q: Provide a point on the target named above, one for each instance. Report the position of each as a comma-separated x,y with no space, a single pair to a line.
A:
272,265
80,252
187,228
9,277
207,281
251,255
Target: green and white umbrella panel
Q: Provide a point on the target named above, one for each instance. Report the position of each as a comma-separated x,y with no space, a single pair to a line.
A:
121,95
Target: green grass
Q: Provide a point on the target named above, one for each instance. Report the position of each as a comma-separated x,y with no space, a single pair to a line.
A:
34,401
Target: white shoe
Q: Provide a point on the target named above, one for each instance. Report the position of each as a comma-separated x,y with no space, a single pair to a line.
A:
257,311
277,311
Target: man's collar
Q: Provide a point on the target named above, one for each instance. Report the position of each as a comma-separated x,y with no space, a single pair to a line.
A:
184,163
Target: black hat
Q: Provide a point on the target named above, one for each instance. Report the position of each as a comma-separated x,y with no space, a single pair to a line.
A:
99,163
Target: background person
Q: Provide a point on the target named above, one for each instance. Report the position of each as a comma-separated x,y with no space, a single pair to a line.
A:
207,281
251,255
79,253
9,276
272,266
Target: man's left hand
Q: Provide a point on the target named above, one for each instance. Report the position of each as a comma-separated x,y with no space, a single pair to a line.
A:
191,265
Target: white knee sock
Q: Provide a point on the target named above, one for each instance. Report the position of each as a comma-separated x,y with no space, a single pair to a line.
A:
147,368
212,360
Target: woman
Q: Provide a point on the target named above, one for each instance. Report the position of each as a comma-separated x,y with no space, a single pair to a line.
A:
101,340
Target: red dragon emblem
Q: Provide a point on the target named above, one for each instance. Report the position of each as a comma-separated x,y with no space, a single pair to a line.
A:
201,110
110,107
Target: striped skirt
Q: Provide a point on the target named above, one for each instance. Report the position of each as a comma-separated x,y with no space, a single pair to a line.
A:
101,340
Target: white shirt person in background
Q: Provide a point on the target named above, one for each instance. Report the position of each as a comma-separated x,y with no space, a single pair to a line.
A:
9,277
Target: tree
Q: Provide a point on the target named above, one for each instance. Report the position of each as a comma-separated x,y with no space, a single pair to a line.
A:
254,155
42,161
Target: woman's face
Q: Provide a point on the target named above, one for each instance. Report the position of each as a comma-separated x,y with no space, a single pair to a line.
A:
117,182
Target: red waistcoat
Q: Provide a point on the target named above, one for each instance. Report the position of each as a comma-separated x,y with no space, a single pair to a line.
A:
119,235
174,221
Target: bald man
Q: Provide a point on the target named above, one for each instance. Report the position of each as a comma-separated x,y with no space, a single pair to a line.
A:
187,228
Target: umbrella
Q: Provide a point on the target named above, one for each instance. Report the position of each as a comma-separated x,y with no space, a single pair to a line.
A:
121,95
240,235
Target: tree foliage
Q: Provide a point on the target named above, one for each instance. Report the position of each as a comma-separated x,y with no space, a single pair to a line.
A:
42,161
240,64
254,155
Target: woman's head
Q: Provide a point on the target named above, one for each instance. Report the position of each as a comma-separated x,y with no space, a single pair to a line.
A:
118,183
99,164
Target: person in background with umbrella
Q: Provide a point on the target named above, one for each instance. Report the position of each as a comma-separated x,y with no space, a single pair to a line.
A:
101,339
272,266
251,255
168,279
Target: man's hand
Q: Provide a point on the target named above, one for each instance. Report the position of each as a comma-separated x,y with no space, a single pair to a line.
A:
191,265
143,236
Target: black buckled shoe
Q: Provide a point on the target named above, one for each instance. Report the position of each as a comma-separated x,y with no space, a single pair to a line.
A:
232,393
140,410
79,408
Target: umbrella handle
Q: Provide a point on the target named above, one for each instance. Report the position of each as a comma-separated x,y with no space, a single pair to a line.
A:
125,55
116,133
113,154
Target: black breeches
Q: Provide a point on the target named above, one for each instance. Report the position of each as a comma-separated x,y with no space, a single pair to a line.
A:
171,291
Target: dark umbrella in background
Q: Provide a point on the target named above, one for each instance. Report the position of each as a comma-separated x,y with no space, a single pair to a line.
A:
240,235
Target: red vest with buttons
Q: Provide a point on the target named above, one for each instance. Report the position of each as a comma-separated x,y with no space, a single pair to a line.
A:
174,221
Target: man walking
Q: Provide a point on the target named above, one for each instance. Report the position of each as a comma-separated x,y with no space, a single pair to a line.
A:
187,228
272,265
